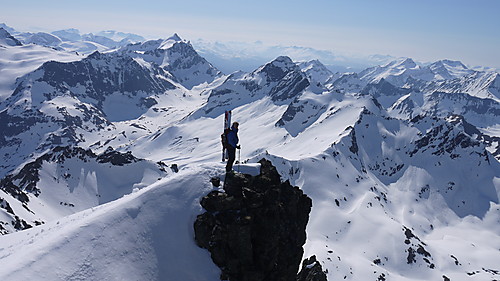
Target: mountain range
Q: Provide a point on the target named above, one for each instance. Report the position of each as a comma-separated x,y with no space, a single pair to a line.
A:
106,156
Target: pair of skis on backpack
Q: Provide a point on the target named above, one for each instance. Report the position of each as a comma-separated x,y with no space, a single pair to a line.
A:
223,136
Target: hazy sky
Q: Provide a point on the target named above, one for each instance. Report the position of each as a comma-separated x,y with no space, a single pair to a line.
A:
426,30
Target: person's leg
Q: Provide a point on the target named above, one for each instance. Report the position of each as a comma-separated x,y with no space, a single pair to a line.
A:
231,151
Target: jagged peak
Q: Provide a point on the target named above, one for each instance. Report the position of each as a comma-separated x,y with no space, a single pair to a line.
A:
171,41
175,37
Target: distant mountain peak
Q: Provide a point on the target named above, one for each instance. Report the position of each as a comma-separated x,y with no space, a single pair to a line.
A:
7,39
451,63
449,69
283,59
162,44
317,72
403,63
69,30
312,64
175,37
278,68
8,28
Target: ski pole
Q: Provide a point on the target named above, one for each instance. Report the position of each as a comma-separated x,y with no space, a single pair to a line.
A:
239,159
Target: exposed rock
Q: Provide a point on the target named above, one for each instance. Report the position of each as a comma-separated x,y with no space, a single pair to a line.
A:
116,158
311,271
5,205
256,229
20,224
174,168
215,181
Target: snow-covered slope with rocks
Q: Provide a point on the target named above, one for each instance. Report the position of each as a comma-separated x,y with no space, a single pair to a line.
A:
401,162
68,180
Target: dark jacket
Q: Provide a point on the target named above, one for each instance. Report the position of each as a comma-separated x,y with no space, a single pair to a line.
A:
232,137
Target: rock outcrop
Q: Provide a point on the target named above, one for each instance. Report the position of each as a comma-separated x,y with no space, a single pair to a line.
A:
311,271
255,230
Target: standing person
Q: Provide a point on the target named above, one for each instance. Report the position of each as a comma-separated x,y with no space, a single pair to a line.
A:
232,145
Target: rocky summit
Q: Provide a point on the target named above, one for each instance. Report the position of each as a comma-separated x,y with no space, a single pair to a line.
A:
255,230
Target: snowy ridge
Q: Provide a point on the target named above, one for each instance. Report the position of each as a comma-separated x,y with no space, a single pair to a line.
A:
154,226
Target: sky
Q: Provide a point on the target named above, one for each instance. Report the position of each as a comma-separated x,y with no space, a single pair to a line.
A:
425,30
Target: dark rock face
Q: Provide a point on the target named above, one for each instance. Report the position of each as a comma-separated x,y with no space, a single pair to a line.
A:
256,229
311,271
116,158
445,138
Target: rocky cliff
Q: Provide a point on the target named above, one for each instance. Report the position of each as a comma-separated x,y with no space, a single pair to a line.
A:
256,228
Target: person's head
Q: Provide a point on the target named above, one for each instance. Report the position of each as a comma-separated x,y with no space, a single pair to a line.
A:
235,125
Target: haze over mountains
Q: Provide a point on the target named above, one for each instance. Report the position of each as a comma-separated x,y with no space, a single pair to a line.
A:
401,160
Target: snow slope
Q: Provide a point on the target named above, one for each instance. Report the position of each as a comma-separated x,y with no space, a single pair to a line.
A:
146,235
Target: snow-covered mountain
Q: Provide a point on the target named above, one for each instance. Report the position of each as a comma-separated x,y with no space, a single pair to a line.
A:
448,69
401,162
176,56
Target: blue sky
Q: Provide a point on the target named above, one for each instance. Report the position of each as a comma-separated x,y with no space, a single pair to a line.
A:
425,30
